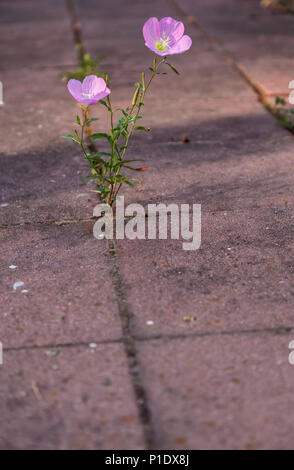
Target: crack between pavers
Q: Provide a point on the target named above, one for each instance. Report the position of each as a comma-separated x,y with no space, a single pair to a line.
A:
260,91
48,222
37,347
278,330
75,28
80,48
129,342
60,223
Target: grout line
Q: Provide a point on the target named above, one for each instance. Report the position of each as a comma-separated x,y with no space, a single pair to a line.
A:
125,314
60,345
48,222
278,330
129,342
80,48
60,223
76,28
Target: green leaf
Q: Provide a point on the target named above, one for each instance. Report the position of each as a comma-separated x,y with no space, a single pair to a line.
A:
102,190
129,183
98,154
98,160
142,128
121,122
131,168
89,176
124,134
122,163
100,135
78,120
70,137
123,111
91,120
104,104
173,68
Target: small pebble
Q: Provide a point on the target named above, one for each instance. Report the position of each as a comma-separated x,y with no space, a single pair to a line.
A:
92,345
24,291
5,204
12,266
17,284
150,322
189,319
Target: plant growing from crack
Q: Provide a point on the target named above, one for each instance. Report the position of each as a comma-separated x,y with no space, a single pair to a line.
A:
165,37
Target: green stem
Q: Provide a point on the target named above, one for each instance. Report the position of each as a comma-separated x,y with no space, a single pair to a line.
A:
113,192
141,101
81,139
114,148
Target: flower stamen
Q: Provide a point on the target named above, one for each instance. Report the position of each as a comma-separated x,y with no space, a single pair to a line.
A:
162,44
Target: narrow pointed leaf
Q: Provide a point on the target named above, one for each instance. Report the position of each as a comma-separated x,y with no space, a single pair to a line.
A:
173,68
100,135
70,137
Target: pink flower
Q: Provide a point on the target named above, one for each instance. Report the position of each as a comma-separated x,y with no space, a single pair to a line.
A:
90,91
166,37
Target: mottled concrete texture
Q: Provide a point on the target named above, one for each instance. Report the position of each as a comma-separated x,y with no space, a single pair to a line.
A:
62,268
68,398
235,391
140,344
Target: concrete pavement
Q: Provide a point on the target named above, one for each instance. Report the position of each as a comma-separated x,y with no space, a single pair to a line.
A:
83,366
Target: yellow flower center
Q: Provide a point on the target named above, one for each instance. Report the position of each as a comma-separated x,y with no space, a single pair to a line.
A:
162,44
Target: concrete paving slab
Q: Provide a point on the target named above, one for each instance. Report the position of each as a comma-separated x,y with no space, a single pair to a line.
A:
37,110
54,188
220,175
240,278
65,270
35,29
221,392
237,164
259,39
68,399
20,11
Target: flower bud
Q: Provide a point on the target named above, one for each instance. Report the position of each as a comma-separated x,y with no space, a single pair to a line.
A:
135,97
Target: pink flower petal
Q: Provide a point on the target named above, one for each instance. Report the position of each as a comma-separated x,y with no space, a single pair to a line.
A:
171,28
151,32
75,89
90,91
182,46
93,85
101,95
